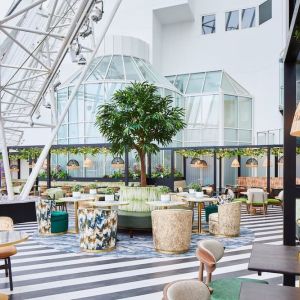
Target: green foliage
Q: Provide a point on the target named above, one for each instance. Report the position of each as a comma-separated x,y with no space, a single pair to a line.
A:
109,191
117,174
164,189
138,118
76,188
93,186
195,186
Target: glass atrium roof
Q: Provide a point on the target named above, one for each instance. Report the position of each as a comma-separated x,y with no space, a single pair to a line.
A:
208,82
121,68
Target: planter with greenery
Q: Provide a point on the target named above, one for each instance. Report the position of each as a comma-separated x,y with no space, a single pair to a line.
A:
76,190
138,118
109,194
195,187
93,189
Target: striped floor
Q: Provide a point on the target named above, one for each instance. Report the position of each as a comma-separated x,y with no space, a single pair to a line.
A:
40,272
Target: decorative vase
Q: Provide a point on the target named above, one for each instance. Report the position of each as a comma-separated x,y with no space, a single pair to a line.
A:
76,194
199,194
109,198
165,198
191,191
93,191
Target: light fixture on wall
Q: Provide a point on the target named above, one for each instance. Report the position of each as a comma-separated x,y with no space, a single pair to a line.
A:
235,164
73,164
252,163
117,163
88,163
280,161
14,168
295,130
195,162
265,163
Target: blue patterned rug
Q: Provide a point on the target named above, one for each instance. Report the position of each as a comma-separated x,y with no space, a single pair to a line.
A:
141,245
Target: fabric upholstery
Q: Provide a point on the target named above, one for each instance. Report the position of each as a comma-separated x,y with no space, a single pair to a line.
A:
177,229
256,196
280,195
227,221
214,247
274,202
43,215
186,290
6,224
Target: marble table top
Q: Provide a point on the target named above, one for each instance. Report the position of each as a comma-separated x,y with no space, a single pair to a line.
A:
8,238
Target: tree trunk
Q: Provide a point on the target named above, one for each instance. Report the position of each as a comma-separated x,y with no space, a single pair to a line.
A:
143,169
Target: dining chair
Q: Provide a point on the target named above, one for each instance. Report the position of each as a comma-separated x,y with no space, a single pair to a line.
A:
7,224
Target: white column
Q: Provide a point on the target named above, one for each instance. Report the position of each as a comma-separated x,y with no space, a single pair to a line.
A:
30,181
9,188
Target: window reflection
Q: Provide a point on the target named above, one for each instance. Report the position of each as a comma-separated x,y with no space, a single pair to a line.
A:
208,24
232,20
248,17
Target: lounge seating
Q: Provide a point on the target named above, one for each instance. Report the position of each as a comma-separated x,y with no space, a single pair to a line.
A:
256,198
177,230
98,229
56,194
186,290
227,221
49,221
6,224
278,201
209,252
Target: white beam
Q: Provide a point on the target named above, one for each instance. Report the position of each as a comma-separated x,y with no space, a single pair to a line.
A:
23,68
8,180
25,79
30,182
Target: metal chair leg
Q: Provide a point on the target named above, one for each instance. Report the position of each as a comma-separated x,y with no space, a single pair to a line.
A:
10,274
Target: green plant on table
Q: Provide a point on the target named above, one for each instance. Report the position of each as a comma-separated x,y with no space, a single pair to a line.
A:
164,189
195,186
76,188
110,191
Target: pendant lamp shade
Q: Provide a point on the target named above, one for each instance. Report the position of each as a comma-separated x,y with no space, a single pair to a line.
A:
295,130
235,163
117,163
251,163
280,161
202,164
88,163
195,162
45,164
73,164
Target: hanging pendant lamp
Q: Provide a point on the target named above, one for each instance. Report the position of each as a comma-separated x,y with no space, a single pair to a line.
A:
235,163
73,164
295,130
118,163
252,163
88,163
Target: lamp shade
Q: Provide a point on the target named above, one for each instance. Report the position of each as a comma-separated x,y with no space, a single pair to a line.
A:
265,163
281,161
45,164
202,164
73,164
14,168
195,162
251,163
295,130
88,163
235,163
117,163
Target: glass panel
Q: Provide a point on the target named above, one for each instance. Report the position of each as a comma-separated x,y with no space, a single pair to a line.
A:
195,83
148,76
131,70
115,70
212,82
208,24
171,78
245,113
265,12
100,70
91,68
230,111
230,135
248,17
226,85
181,82
245,136
232,20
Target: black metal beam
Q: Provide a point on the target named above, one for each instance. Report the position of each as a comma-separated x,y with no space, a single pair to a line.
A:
289,171
268,169
149,165
172,168
215,171
184,166
240,168
126,178
220,175
276,166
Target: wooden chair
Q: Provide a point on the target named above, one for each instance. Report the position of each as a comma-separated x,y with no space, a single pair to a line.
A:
6,224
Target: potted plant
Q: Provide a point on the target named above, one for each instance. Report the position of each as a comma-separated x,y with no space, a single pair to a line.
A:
109,194
196,188
76,190
138,118
93,189
165,197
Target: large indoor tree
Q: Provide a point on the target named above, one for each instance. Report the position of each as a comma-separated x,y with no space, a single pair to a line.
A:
138,118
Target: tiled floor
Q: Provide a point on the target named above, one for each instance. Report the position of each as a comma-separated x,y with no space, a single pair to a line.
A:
42,272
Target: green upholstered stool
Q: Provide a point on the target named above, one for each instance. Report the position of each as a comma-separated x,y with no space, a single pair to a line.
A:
210,209
243,200
59,221
229,288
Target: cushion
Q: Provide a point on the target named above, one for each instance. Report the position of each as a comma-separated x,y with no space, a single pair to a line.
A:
256,203
188,289
209,210
213,217
7,251
274,202
243,200
59,215
229,288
